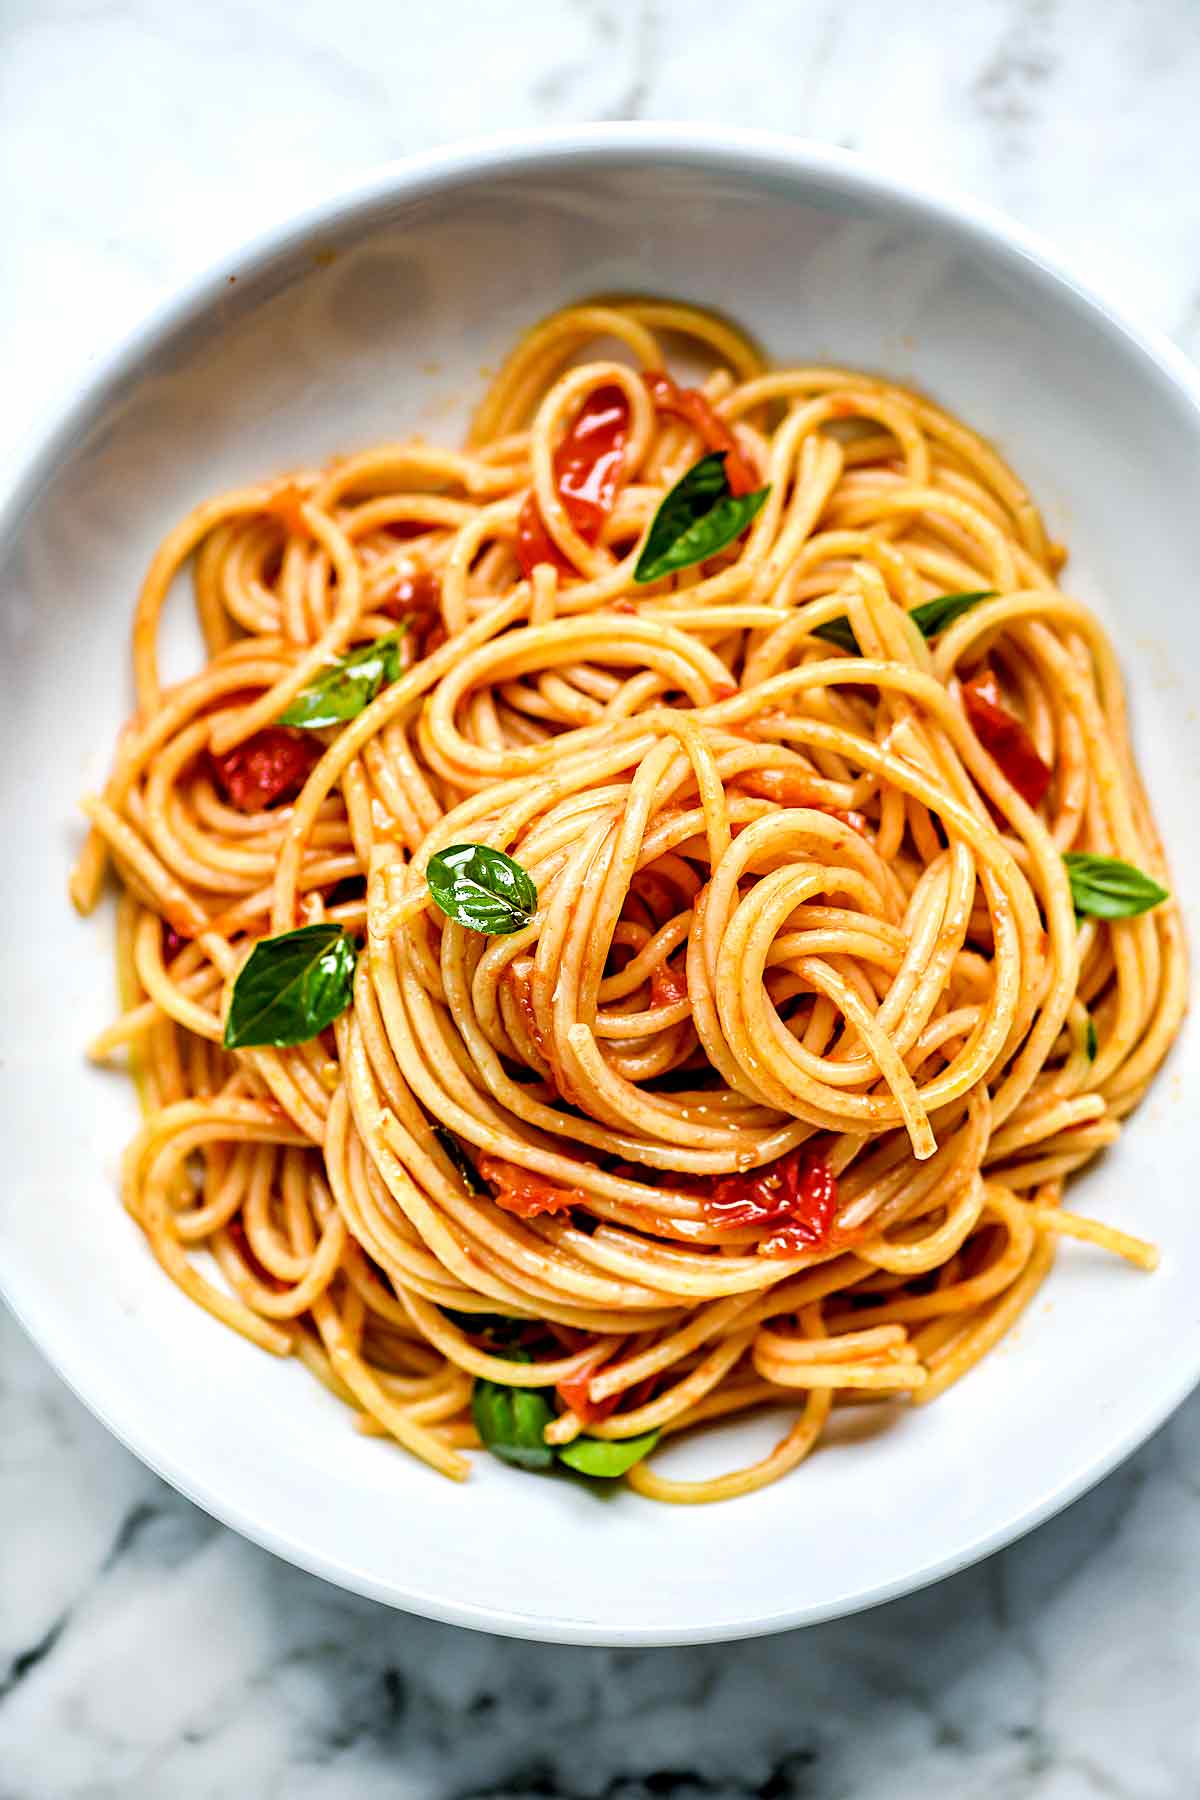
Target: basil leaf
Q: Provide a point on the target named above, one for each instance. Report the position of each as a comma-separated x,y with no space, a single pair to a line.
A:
480,1321
941,612
1106,888
498,1329
698,517
930,617
840,632
1091,1041
291,987
347,686
464,1167
511,1423
689,500
607,1458
481,888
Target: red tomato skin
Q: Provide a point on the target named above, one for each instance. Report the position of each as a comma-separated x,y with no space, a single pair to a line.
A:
1005,738
797,1194
573,1392
696,410
526,1195
268,769
587,469
417,600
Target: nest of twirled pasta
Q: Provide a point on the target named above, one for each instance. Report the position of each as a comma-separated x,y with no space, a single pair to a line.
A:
634,920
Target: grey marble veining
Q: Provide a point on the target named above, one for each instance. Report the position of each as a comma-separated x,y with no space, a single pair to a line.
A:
145,1651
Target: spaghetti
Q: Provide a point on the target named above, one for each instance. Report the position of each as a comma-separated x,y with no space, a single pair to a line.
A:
821,929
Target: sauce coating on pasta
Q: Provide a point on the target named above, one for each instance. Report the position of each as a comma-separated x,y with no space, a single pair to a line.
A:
635,918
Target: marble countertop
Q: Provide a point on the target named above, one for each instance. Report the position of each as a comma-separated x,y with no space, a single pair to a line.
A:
144,1650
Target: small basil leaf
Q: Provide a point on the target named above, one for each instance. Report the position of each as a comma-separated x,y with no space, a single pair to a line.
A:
607,1458
930,617
698,517
838,631
478,1322
690,499
1091,1041
1107,888
464,1167
291,987
941,612
501,1333
511,1423
347,686
481,888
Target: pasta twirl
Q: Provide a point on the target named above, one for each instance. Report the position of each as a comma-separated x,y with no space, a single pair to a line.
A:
838,936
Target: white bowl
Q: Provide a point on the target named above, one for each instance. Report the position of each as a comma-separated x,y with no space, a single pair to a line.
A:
373,316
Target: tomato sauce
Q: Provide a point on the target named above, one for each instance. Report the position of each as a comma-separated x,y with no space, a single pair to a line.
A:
1005,738
527,1195
690,405
587,468
667,985
788,788
659,895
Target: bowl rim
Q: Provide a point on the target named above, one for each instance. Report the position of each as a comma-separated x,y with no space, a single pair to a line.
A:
591,146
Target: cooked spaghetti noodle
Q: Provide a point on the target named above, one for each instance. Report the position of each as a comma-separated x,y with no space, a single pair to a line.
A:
774,1095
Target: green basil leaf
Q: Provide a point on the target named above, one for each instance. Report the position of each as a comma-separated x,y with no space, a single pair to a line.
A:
941,612
1106,888
930,617
291,987
464,1167
481,1322
512,1422
838,631
607,1458
698,517
347,686
481,888
1091,1041
500,1332
689,500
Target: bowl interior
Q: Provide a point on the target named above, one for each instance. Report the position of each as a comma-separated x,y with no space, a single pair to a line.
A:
379,320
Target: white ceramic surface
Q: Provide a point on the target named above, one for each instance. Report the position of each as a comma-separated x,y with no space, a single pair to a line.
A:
289,354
